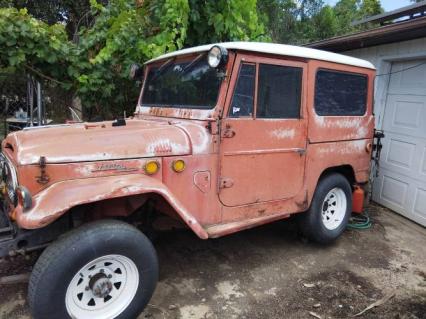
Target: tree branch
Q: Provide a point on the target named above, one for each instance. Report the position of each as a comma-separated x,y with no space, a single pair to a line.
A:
42,75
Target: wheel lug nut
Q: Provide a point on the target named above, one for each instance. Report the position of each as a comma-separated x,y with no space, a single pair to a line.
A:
87,288
102,271
109,276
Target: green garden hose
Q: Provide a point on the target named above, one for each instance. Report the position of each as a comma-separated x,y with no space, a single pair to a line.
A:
359,221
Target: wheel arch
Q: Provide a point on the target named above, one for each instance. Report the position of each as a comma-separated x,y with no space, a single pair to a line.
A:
59,198
346,170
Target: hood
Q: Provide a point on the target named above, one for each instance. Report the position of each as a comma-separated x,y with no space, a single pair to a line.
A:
97,142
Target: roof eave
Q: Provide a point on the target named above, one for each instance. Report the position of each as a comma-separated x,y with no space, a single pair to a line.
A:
400,31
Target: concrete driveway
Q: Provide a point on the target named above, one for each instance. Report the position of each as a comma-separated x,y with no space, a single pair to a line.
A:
270,272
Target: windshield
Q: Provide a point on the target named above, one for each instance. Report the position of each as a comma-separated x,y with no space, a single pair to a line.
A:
182,84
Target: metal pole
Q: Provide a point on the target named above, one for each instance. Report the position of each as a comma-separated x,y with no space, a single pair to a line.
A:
30,93
39,106
6,124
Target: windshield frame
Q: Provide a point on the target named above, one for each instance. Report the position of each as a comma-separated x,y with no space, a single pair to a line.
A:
187,111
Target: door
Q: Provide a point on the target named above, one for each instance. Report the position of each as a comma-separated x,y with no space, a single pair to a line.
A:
263,131
401,184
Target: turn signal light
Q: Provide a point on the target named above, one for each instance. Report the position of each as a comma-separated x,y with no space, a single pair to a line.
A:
178,166
151,167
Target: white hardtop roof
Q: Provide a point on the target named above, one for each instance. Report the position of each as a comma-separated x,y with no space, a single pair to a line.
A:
273,48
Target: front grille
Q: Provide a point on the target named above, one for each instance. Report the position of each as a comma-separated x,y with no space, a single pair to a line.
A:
8,178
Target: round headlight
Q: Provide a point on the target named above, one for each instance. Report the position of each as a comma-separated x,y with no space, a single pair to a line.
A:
24,197
9,179
2,163
218,56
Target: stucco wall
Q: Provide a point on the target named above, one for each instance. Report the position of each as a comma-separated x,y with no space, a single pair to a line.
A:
382,57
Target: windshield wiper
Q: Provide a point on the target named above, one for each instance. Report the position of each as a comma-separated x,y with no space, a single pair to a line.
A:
162,68
195,60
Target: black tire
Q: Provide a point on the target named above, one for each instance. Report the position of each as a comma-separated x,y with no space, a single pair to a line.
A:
62,260
311,222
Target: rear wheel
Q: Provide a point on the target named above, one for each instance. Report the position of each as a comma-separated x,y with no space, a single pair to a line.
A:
105,269
330,209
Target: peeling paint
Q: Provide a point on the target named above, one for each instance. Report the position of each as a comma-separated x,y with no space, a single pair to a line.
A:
283,133
273,165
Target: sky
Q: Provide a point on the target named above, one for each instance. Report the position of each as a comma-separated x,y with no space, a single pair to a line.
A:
388,5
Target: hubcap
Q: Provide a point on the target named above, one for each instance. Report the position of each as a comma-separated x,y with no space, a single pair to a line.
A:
100,285
334,208
103,288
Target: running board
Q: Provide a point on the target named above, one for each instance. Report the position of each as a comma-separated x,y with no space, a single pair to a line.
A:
233,227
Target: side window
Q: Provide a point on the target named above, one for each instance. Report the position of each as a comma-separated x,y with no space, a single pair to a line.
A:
340,93
279,91
243,98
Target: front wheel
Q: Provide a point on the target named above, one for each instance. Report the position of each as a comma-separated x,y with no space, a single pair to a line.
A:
330,209
102,270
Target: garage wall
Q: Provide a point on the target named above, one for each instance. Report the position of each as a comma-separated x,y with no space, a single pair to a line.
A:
374,54
400,108
382,56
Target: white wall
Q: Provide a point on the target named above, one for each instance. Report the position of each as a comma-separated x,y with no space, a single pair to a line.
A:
374,54
382,57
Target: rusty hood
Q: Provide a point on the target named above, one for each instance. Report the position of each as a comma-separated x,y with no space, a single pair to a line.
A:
97,142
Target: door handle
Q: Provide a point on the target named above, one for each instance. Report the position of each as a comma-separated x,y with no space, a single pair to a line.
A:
228,132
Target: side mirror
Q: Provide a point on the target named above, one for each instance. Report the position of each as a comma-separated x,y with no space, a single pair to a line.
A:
136,72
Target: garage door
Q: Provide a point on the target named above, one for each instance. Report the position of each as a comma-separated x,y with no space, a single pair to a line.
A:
401,184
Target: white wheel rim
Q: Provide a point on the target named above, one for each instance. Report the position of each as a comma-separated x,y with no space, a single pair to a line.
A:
103,288
333,208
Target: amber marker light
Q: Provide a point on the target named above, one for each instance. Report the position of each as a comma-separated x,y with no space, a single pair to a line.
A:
178,166
151,167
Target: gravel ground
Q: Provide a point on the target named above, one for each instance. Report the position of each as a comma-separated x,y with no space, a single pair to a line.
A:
270,272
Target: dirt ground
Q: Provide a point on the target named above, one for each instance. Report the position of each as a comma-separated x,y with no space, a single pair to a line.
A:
270,272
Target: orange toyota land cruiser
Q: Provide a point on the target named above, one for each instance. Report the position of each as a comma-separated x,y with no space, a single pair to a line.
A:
224,137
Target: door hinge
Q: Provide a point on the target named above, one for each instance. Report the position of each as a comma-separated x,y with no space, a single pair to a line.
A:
225,182
213,127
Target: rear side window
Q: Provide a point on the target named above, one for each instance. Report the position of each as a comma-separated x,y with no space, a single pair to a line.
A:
279,91
340,93
243,98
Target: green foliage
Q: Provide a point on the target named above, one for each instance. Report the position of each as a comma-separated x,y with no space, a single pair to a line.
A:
325,23
29,43
95,63
280,18
87,46
224,20
121,35
304,21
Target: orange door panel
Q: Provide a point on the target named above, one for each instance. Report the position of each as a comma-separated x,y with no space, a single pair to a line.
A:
263,152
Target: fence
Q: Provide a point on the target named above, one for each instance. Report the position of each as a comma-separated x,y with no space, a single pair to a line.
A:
15,104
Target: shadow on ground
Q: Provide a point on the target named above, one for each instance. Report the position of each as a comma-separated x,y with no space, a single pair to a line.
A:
270,272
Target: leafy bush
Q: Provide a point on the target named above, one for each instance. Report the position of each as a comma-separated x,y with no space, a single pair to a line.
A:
96,65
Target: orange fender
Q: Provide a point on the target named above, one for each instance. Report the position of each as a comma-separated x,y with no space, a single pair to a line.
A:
54,201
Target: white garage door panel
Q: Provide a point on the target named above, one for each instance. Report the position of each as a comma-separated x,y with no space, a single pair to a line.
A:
407,198
394,190
409,81
401,184
400,153
420,205
406,114
404,155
